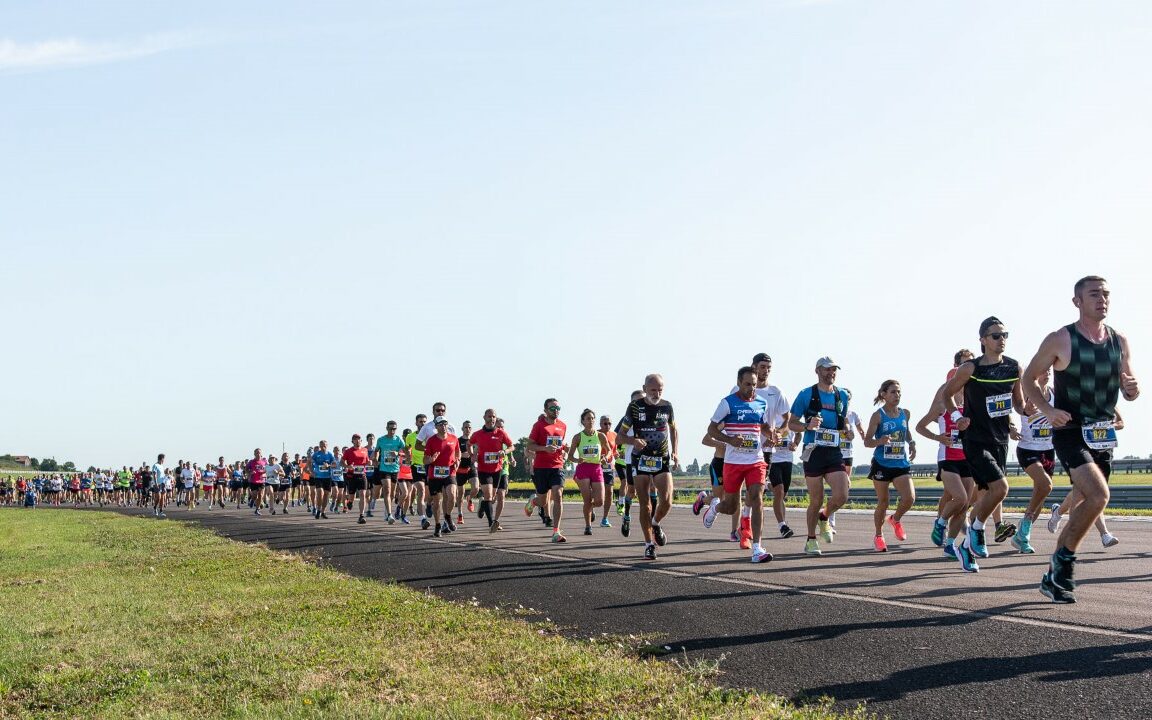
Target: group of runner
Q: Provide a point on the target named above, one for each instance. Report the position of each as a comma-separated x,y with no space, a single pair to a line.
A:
428,474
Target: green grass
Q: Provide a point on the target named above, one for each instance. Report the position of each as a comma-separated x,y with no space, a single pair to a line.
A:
107,616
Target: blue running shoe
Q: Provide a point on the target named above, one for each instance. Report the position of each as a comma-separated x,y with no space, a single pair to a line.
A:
949,550
938,529
964,555
974,539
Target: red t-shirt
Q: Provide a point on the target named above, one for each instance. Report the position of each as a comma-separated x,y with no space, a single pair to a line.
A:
552,435
443,467
354,458
490,449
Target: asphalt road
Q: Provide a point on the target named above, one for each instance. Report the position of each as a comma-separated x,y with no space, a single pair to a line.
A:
905,632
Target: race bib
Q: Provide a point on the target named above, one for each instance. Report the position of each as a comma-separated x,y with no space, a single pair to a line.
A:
491,458
360,470
391,457
826,438
894,451
590,452
441,471
1100,436
749,443
999,405
954,440
1041,428
784,442
554,441
651,464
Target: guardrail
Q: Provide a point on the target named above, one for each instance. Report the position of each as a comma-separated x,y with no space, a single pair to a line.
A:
1128,497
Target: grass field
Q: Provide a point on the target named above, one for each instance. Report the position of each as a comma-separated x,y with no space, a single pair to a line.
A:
103,615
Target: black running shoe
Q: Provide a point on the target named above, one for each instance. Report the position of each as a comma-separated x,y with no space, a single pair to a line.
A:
436,532
1054,592
649,552
1004,531
625,526
361,520
658,533
786,532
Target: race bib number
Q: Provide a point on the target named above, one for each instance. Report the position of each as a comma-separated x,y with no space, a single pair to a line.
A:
391,457
1041,428
651,464
441,472
954,440
999,405
491,458
553,441
590,452
894,451
784,442
1100,436
826,438
360,470
749,443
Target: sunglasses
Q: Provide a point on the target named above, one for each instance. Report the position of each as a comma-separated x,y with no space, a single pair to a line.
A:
998,336
553,408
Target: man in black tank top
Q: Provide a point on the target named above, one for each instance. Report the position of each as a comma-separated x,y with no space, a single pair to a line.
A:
1091,364
991,386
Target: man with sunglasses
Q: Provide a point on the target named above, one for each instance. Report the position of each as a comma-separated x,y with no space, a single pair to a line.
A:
992,392
488,446
388,449
546,443
606,464
1091,365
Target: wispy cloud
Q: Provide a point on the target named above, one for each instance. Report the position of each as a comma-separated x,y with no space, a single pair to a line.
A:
73,52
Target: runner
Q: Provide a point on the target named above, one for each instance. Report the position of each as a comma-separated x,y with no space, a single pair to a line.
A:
546,441
275,482
322,462
820,412
208,483
257,473
466,473
991,386
607,463
780,475
778,415
588,447
656,450
419,473
489,445
506,473
403,490
952,472
355,461
441,458
370,475
891,461
625,471
1092,364
1036,456
745,416
159,486
705,498
388,450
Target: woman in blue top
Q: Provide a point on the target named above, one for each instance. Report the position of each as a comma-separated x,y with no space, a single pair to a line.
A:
891,460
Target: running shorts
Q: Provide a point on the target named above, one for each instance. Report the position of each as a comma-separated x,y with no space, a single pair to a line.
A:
780,473
882,473
1027,458
987,461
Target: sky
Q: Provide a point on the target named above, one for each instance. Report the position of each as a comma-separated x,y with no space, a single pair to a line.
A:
230,225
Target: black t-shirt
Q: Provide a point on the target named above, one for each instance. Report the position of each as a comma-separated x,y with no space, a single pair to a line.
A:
651,424
988,400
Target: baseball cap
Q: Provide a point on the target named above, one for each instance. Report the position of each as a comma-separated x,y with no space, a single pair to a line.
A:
761,357
827,362
439,419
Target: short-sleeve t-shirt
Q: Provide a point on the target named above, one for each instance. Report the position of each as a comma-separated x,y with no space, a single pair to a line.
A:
388,453
742,419
650,423
410,441
257,469
449,449
490,446
355,461
549,434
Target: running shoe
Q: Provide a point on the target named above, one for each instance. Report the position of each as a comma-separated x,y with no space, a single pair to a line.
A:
898,528
649,552
658,534
1054,592
605,523
761,555
879,544
558,538
1060,571
733,537
593,516
424,523
162,515
497,525
528,509
369,514
625,525
451,525
825,531
964,555
1020,542
1109,540
323,515
938,529
699,504
460,517
1054,518
1004,531
404,519
619,507
436,532
389,519
587,529
974,540
745,539
360,520
257,512
950,549
710,516
493,527
547,521
811,547
471,505
316,514
785,531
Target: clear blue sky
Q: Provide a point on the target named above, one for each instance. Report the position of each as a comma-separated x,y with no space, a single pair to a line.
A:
227,225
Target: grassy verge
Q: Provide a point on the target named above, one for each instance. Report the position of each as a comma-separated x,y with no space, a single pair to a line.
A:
103,615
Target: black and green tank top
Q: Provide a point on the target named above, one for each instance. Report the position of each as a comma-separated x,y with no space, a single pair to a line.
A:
1088,388
988,400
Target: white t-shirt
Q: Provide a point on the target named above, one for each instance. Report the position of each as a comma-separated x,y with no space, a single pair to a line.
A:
1036,431
273,473
159,473
429,430
777,402
783,453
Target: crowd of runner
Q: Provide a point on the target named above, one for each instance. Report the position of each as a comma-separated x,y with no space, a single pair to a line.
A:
1061,407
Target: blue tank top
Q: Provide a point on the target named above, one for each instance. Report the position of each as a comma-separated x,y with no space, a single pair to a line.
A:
895,453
